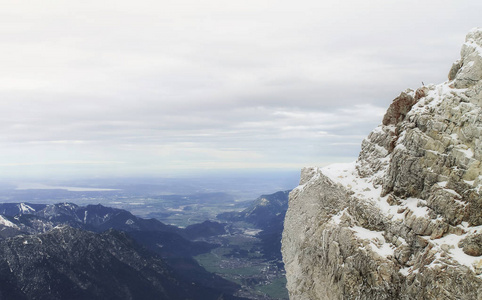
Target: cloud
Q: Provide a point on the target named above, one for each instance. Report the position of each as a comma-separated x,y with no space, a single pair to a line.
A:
165,85
62,163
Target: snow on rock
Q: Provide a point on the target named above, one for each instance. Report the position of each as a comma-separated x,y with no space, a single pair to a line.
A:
450,244
25,209
376,239
405,220
7,223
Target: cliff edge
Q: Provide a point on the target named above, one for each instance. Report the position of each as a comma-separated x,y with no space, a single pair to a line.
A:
405,220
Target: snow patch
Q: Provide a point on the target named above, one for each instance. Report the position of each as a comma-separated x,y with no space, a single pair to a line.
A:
442,183
316,176
467,152
451,242
377,241
7,223
343,173
25,209
252,232
414,205
337,218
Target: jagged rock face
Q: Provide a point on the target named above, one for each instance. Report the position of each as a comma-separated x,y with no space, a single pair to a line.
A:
405,220
468,70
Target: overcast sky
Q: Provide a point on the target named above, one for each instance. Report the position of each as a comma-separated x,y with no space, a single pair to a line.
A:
129,88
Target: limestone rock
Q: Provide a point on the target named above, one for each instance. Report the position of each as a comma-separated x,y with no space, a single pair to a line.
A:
470,71
405,220
472,245
399,109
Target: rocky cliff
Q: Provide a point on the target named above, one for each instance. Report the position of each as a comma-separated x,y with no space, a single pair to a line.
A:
405,220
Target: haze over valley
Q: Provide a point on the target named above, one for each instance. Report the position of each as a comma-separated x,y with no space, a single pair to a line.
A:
226,236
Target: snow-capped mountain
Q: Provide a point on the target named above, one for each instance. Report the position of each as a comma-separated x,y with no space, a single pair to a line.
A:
405,220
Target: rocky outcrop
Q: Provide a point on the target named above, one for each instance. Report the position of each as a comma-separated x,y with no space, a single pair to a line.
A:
405,220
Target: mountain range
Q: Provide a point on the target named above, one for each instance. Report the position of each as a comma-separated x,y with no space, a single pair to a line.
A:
65,251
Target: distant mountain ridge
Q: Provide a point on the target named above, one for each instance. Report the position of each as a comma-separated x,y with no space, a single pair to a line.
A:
70,223
96,217
261,210
267,212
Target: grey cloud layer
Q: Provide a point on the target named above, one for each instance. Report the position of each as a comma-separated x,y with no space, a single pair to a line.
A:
151,86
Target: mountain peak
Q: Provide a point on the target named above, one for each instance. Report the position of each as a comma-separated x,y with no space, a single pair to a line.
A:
405,220
467,71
